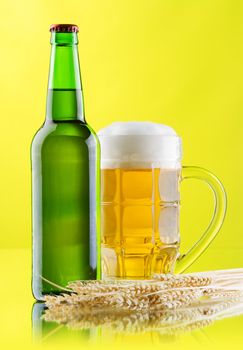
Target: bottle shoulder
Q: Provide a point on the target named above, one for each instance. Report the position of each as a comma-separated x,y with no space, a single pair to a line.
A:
53,130
52,133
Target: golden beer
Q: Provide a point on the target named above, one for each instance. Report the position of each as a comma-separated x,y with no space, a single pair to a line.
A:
140,221
140,199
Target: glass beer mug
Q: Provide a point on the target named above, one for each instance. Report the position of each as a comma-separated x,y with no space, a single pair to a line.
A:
140,201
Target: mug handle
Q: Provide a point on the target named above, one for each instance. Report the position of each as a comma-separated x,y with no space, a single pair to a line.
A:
220,204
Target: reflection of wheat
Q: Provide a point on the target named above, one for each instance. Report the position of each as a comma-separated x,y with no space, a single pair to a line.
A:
128,322
169,303
166,322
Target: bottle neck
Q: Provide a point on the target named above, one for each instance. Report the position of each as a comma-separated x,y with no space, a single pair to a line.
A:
64,97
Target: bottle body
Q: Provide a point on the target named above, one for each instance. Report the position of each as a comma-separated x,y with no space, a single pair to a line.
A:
65,228
65,183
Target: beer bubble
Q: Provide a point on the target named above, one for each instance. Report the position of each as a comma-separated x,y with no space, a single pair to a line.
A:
139,144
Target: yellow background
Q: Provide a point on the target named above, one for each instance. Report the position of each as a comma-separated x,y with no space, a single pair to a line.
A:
177,62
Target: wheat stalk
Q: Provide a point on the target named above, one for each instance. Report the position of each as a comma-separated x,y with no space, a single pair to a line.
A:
134,297
177,281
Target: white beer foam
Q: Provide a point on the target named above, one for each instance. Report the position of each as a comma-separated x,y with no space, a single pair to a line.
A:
139,144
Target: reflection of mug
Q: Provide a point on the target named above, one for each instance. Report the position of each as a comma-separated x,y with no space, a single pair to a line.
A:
140,178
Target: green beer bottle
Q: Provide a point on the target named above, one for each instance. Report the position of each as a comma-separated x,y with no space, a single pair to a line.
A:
65,178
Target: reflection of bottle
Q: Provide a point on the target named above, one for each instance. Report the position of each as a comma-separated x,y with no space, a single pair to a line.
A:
52,331
40,328
64,177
